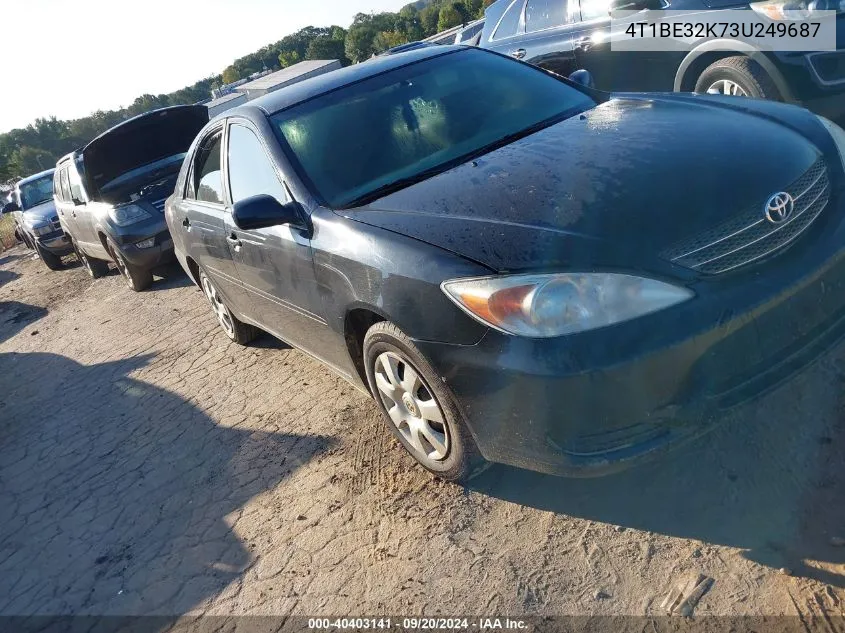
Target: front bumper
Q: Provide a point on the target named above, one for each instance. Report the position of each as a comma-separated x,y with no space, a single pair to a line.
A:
55,242
590,404
160,253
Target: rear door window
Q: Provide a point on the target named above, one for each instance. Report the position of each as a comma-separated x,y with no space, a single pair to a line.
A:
509,23
65,186
208,177
545,14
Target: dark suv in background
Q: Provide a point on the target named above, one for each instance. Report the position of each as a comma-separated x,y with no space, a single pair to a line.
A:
37,223
110,195
567,35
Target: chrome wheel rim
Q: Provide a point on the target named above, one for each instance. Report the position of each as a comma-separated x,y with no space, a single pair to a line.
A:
84,259
412,407
726,87
121,266
224,317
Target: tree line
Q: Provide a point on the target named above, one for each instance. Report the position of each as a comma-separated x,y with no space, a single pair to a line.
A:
39,145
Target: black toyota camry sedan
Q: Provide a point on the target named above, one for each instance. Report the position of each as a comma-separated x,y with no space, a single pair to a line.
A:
518,268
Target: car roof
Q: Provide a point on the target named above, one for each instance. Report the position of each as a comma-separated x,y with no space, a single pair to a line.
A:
46,172
316,86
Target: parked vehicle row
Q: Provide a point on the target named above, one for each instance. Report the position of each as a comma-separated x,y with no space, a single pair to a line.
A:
566,35
110,195
37,223
517,267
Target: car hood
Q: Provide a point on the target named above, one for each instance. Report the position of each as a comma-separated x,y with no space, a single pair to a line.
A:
42,214
627,179
141,141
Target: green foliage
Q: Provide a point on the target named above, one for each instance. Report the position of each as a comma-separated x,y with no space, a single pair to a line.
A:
39,145
450,16
327,48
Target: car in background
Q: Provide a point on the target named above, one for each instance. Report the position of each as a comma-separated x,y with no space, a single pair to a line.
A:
36,219
470,34
110,194
565,35
508,261
404,48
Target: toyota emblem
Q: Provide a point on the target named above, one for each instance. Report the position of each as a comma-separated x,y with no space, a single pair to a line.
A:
779,207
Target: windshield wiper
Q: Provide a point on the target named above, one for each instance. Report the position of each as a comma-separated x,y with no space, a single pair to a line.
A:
392,187
396,185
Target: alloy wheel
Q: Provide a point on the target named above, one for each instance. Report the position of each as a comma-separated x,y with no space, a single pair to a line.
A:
412,407
224,317
121,266
726,87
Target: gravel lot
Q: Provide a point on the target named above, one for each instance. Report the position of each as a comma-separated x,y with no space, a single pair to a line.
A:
148,466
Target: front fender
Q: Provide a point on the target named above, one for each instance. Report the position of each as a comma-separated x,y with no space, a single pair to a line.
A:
739,48
358,266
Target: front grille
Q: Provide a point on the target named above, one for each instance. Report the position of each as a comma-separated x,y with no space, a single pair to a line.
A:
159,204
750,236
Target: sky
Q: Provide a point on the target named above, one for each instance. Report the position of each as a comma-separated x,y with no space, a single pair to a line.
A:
69,58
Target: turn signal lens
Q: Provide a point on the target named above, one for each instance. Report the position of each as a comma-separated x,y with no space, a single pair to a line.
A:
543,306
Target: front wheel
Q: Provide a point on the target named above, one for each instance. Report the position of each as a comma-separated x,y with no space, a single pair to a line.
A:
96,267
417,406
136,278
237,331
738,76
51,260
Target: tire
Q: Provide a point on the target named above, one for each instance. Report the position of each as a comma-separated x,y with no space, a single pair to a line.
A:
138,279
237,331
96,267
51,260
740,71
411,407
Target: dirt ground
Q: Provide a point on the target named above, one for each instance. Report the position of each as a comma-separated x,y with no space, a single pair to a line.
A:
149,466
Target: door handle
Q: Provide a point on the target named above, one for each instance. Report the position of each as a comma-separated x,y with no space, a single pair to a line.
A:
583,42
519,53
186,223
233,240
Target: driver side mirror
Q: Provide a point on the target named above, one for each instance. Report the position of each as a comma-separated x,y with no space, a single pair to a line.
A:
262,211
583,77
9,207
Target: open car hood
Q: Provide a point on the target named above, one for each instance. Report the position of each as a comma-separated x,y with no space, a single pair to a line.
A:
139,141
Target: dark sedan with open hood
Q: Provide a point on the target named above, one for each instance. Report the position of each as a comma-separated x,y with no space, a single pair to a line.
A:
110,195
517,267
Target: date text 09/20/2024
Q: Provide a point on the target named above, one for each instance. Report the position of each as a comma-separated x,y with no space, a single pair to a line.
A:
384,623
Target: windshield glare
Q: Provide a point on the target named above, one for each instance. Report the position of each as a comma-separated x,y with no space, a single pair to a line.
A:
36,192
356,140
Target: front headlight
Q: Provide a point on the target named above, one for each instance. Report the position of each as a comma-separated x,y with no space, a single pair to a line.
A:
542,306
128,214
837,134
792,10
44,229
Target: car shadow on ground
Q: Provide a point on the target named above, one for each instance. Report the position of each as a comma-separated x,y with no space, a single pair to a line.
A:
268,341
6,259
15,316
121,497
768,481
6,276
171,276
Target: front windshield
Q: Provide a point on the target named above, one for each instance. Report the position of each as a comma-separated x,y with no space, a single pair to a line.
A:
353,144
36,192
